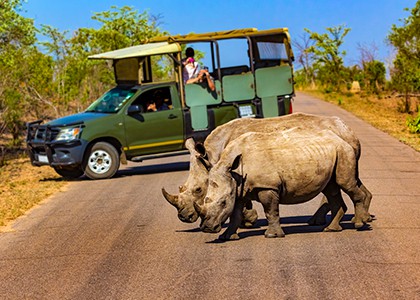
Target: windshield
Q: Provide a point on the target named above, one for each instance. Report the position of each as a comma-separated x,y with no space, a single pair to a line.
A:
112,101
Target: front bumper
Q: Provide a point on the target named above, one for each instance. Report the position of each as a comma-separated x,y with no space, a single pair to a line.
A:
44,150
56,154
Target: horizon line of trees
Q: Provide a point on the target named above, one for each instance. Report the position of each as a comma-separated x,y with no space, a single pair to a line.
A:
47,79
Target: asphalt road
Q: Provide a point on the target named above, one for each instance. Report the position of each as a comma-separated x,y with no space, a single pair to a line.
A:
119,239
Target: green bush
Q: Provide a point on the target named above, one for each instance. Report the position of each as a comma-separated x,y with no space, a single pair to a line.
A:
413,124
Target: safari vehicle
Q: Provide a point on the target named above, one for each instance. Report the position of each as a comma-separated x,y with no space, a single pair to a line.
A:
118,126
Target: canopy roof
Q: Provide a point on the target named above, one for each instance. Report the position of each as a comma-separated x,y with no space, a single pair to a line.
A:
219,35
139,51
171,43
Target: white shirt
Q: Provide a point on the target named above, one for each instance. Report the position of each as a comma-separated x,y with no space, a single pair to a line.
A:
190,70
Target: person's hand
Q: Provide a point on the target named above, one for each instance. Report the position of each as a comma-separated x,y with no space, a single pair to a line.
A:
152,107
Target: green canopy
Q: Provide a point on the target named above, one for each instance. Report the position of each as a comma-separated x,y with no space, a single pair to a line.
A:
219,35
170,44
139,51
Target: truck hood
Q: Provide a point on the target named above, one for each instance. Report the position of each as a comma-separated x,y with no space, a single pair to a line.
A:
76,118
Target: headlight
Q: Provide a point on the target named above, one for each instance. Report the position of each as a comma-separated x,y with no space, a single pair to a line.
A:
68,134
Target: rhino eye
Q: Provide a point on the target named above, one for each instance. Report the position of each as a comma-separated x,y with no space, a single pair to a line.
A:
223,203
198,190
214,184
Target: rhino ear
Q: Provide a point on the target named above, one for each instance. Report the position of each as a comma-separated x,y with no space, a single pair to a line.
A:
199,147
190,145
202,155
204,162
236,162
235,165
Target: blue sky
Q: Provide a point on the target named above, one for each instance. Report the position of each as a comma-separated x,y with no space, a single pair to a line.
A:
370,20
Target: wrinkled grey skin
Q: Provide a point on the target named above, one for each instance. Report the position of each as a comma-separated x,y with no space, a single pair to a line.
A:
195,188
254,167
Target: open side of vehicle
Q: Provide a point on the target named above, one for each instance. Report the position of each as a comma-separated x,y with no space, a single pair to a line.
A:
125,123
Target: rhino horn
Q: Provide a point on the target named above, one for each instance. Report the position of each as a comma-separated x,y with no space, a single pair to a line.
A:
182,188
172,199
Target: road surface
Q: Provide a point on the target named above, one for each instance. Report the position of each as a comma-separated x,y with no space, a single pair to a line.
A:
119,239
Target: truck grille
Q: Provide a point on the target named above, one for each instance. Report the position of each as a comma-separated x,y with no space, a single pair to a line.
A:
41,133
46,133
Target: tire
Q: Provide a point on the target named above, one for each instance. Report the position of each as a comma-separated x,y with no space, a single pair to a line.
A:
69,172
101,161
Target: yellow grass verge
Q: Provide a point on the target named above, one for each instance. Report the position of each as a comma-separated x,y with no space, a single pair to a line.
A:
22,186
381,113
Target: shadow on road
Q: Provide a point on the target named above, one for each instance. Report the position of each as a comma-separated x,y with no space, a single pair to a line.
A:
154,169
300,227
138,170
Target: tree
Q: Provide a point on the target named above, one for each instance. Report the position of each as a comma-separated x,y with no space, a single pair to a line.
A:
17,38
305,59
60,79
15,30
374,73
373,70
327,55
78,80
123,27
406,41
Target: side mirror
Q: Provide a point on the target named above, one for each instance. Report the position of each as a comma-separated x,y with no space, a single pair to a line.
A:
134,109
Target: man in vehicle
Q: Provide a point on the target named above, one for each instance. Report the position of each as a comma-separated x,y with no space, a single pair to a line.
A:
158,102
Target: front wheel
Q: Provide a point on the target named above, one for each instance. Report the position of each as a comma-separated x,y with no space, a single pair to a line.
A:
102,161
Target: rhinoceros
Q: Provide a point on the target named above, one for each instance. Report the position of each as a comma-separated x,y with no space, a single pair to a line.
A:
195,188
254,167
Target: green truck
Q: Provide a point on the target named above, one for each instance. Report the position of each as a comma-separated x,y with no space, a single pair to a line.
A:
119,127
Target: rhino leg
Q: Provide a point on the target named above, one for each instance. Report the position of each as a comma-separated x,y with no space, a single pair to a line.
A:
347,179
366,202
320,216
338,207
358,196
270,201
250,216
234,222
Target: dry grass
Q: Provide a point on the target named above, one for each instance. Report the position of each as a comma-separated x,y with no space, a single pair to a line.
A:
22,186
381,113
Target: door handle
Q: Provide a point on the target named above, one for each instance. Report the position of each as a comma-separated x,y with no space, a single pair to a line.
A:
172,116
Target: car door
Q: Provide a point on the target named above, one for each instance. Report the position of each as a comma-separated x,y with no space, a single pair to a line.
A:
150,132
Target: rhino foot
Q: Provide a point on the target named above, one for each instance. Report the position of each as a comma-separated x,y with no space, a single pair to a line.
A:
250,217
333,228
317,219
228,237
361,219
370,218
320,216
247,225
274,233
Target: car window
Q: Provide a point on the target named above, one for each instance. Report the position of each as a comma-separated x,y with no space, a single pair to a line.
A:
111,101
155,100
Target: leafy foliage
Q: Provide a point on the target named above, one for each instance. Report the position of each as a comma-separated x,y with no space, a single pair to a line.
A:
60,79
328,57
413,124
406,41
17,38
374,75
